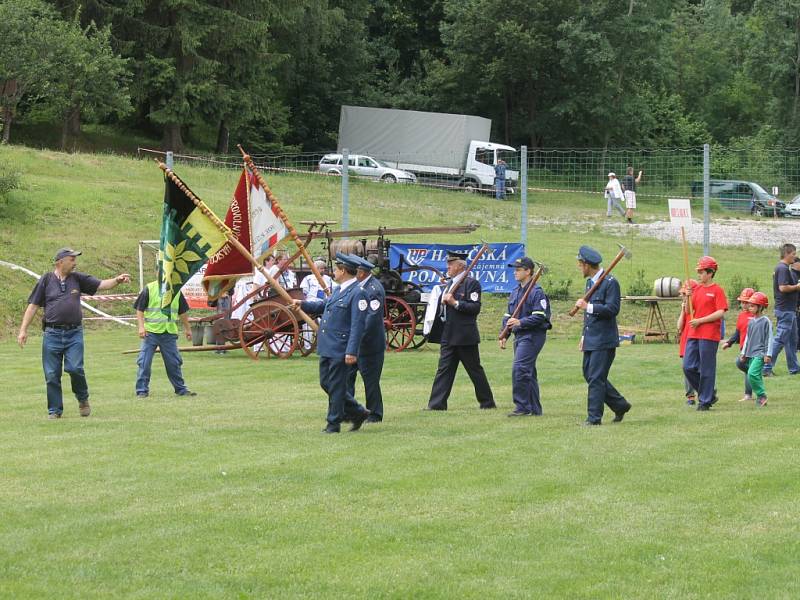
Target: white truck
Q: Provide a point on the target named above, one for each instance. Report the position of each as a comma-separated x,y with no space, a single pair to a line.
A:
439,148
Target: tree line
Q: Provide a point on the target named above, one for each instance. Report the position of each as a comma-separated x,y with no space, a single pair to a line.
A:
273,73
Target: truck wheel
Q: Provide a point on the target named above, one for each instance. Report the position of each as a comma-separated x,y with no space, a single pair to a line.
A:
470,186
389,178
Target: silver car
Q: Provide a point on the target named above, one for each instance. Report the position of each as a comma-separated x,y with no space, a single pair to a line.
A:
793,208
365,166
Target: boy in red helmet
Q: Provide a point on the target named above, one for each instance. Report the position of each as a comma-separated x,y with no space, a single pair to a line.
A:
705,331
757,345
739,336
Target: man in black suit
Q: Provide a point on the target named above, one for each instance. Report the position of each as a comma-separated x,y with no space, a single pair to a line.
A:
373,344
600,338
459,336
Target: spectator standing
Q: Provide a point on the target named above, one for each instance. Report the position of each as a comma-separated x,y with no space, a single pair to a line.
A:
785,288
59,293
500,179
629,186
613,194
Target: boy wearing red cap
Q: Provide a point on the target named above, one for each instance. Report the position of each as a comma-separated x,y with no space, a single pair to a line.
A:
757,346
739,336
700,360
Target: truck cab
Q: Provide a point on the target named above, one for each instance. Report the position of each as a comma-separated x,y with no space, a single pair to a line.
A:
479,168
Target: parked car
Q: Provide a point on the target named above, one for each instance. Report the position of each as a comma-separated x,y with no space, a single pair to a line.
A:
365,166
742,195
793,208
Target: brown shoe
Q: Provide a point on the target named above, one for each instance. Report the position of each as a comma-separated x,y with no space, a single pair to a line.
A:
84,408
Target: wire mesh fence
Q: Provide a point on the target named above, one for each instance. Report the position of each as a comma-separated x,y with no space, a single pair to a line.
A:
761,180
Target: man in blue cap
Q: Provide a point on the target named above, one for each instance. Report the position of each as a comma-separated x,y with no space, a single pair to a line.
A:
373,344
458,335
530,328
600,338
341,330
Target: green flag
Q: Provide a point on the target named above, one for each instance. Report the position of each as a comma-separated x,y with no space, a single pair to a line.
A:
188,239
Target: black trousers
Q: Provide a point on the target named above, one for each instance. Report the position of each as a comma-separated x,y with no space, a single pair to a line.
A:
370,366
449,357
596,365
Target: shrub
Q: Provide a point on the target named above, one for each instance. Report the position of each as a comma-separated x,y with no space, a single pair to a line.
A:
737,284
557,289
640,286
9,180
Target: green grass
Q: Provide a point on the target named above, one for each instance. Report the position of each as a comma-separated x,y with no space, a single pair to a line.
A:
235,493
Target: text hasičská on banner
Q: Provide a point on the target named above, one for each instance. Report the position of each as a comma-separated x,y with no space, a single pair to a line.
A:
414,261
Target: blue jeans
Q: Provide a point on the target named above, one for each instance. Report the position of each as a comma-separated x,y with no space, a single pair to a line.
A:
500,188
700,368
168,344
63,346
785,338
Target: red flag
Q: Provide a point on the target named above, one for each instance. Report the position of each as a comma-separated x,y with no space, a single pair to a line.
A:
228,264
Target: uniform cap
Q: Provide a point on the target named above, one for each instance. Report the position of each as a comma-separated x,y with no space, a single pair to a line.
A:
347,260
744,296
612,174
65,252
362,263
759,298
707,262
589,255
523,263
456,255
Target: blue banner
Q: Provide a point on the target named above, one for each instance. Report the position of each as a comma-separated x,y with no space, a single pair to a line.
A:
417,262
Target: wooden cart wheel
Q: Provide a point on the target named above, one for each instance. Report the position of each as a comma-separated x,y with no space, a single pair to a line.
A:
400,323
419,338
307,342
269,327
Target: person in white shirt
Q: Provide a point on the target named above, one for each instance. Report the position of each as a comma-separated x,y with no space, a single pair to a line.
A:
614,195
312,290
287,279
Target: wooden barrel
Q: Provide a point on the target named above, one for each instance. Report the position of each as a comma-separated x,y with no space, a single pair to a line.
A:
345,247
667,287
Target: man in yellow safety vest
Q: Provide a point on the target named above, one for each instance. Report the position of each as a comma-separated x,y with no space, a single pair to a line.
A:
158,329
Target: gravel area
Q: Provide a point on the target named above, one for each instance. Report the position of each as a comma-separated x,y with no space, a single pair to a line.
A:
763,233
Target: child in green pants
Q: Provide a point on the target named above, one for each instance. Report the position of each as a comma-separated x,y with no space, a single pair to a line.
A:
757,346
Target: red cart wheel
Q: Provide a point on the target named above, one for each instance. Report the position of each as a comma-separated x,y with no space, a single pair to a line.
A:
400,323
269,327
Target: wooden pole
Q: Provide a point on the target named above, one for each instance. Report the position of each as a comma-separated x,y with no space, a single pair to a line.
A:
620,255
233,241
474,262
279,211
686,271
507,330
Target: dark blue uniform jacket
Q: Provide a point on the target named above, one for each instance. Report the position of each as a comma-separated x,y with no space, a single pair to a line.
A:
535,314
374,341
341,328
600,328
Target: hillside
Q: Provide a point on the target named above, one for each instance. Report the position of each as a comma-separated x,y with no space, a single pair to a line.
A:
104,204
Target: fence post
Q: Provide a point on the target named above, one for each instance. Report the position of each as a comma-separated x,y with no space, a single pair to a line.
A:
706,194
345,189
523,198
170,160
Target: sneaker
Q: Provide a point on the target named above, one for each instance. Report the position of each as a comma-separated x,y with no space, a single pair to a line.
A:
186,393
762,401
702,406
142,394
54,416
518,413
84,409
746,398
767,374
690,401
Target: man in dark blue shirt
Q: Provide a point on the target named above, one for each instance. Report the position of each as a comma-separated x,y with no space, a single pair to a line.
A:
500,179
785,289
59,292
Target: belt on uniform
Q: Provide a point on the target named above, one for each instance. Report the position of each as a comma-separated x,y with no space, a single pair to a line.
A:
60,326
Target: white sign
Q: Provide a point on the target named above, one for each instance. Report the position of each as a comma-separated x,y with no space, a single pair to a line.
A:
193,290
775,190
680,212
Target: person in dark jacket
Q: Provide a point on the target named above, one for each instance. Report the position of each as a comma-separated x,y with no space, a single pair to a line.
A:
530,328
600,338
341,330
373,344
457,332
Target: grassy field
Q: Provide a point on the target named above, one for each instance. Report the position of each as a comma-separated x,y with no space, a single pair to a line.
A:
235,493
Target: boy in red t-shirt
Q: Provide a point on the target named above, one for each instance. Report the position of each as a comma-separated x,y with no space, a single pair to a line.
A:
739,335
705,330
683,329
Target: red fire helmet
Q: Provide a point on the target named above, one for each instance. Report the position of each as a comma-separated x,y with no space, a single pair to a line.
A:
707,262
745,295
759,298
